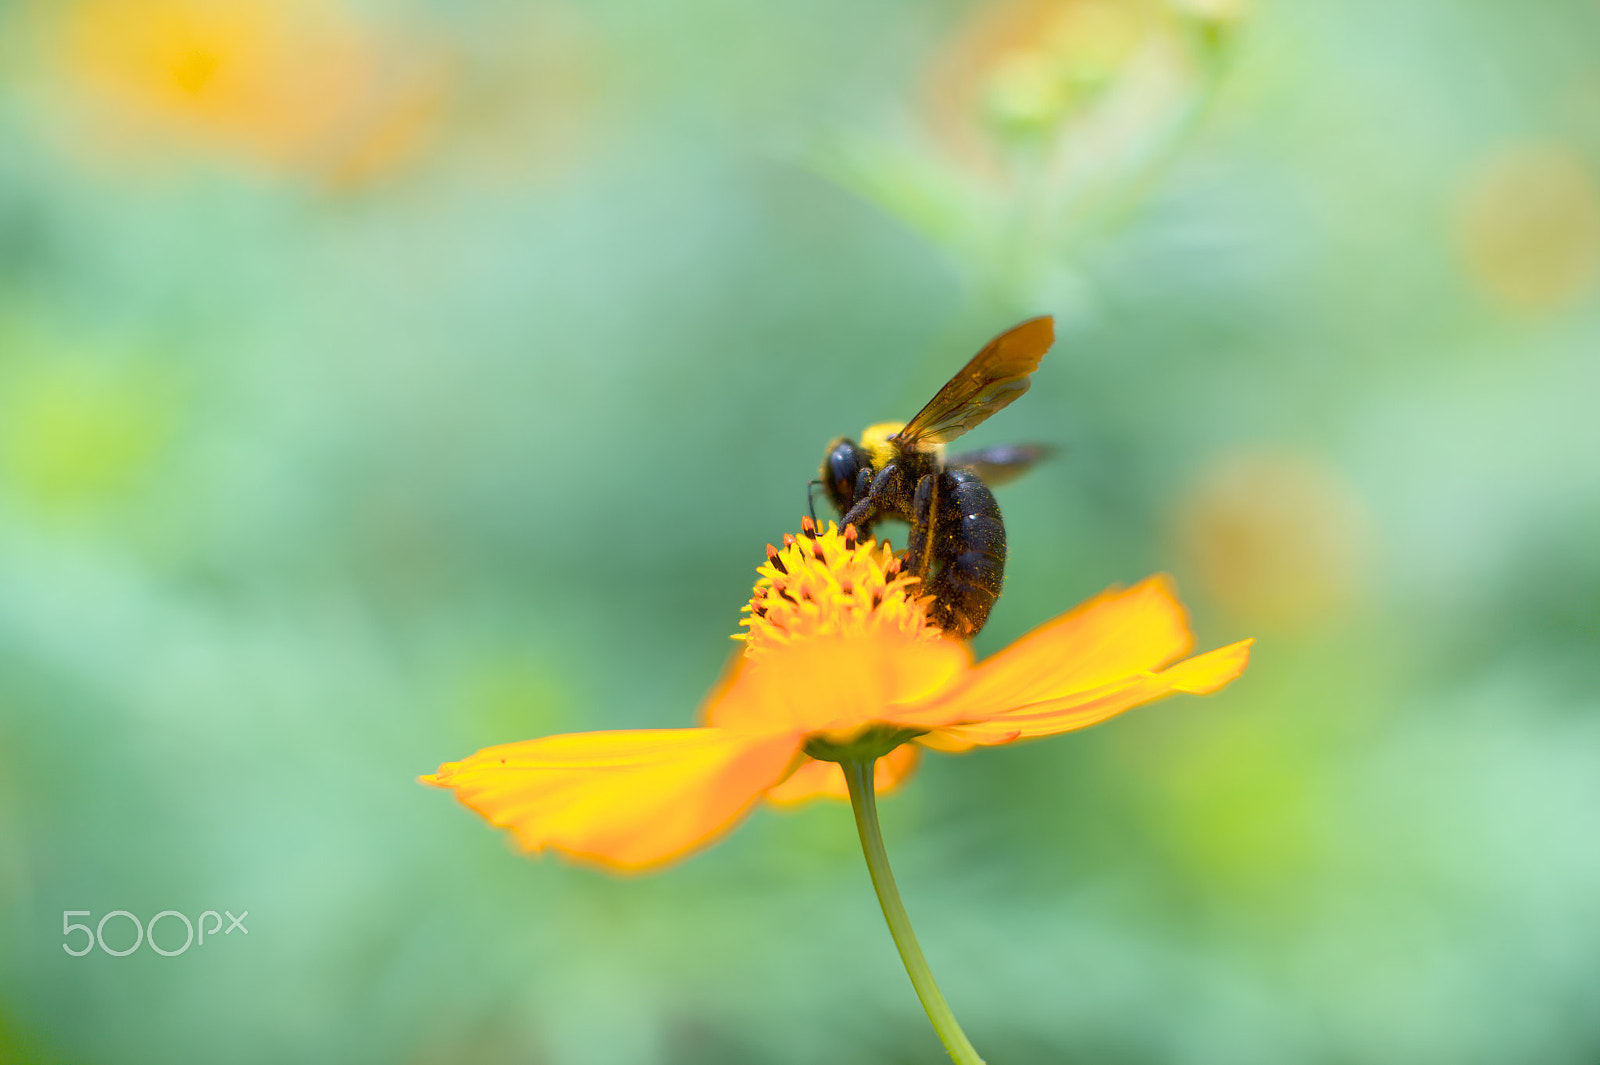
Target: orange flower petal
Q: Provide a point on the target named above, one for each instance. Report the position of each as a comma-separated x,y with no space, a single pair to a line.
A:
628,800
836,684
825,780
1199,675
1117,634
1204,674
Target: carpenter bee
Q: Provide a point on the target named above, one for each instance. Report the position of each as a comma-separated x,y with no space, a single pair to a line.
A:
958,543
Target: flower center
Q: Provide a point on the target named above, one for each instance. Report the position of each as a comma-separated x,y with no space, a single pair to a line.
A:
828,583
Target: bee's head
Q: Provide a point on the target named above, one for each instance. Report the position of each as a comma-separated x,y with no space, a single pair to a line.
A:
841,466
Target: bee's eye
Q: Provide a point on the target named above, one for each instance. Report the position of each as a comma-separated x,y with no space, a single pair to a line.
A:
844,464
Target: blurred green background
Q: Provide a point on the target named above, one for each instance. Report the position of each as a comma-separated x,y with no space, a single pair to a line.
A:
383,381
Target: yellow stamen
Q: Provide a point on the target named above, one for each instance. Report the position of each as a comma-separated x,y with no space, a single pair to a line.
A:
827,583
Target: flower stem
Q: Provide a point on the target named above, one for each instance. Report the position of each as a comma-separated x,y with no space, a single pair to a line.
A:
858,775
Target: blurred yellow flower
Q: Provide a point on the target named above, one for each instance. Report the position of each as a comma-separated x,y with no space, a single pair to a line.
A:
1277,538
1527,223
1035,72
1023,66
840,661
1043,122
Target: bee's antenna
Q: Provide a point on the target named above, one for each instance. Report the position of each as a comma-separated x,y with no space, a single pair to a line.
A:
811,498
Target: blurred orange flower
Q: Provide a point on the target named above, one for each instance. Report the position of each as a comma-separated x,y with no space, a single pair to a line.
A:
284,82
840,660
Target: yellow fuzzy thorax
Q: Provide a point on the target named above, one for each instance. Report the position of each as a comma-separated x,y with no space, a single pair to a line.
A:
875,441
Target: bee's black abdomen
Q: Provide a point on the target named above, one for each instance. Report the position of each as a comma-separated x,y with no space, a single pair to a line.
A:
971,548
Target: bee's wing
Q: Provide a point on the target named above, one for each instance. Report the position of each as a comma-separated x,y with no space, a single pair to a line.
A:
996,376
1000,465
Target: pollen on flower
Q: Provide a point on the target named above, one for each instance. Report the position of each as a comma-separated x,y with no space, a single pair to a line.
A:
827,583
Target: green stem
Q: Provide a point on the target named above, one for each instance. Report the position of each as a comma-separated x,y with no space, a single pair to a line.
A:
858,775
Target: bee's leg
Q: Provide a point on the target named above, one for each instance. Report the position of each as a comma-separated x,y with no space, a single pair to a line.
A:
863,483
866,504
863,488
924,509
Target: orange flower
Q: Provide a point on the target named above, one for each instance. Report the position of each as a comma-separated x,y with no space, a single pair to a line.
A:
840,661
289,83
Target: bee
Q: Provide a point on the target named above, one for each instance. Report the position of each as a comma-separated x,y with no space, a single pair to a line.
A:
957,545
